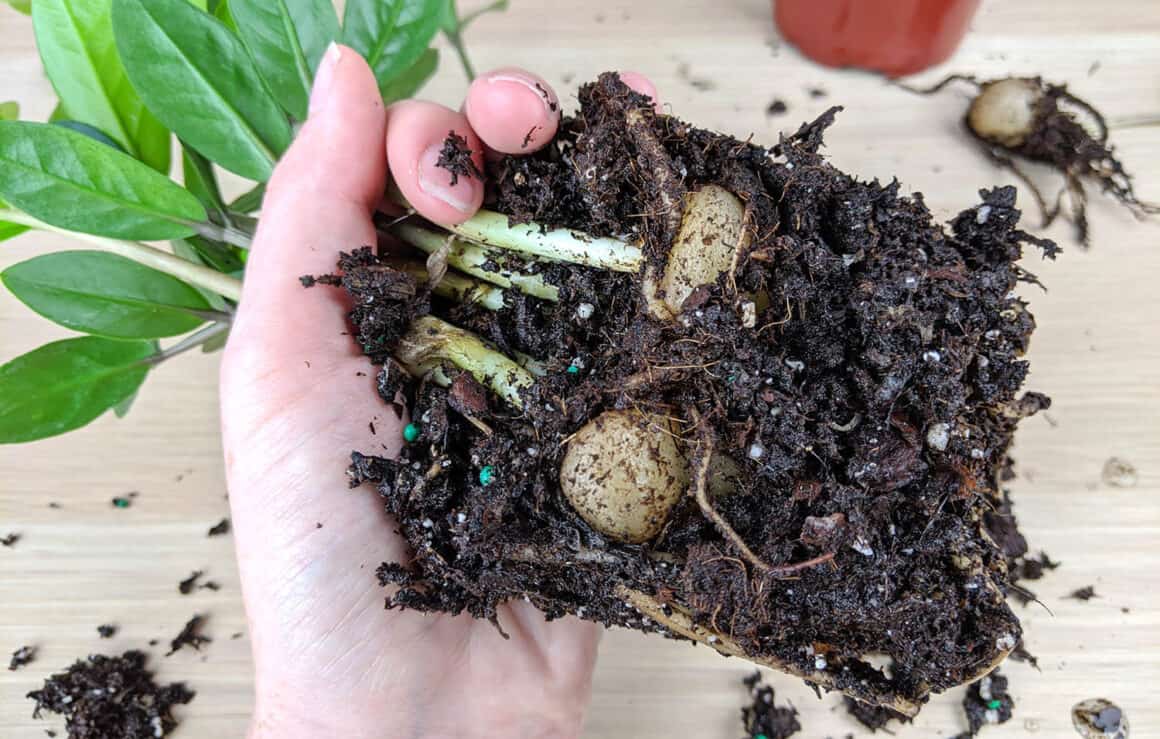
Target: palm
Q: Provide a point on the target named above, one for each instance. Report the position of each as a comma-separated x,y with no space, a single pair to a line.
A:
296,399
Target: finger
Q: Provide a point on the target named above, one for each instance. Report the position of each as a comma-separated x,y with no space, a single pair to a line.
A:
319,202
416,133
512,110
643,85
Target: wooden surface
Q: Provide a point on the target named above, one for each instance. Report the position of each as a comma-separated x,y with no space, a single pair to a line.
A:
1097,353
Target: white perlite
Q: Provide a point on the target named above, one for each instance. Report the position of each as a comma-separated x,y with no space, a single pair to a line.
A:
938,436
1006,641
584,311
861,546
982,214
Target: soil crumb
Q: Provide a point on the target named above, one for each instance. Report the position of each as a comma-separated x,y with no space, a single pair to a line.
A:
107,631
764,719
221,528
105,697
189,584
455,157
1085,593
776,107
866,404
1099,718
701,84
873,717
190,636
21,657
987,702
1119,473
10,540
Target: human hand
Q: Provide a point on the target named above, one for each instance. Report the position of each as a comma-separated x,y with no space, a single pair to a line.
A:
296,399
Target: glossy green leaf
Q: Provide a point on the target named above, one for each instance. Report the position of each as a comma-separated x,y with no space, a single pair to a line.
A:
221,257
9,111
287,39
391,34
215,343
197,77
184,249
23,6
9,230
200,179
65,385
120,410
70,181
75,40
92,132
221,11
408,83
107,295
250,200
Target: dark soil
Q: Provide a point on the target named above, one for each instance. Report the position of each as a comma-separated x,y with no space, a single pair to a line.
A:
1087,592
21,657
455,157
221,528
190,636
107,631
869,409
764,719
9,540
987,702
872,717
1070,135
776,107
189,584
105,697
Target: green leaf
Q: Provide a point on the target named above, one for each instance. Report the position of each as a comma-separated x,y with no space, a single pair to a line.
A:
65,385
200,179
23,6
70,181
92,132
107,295
214,343
120,410
75,40
287,39
408,83
221,11
9,111
196,76
391,34
9,230
184,249
221,257
250,200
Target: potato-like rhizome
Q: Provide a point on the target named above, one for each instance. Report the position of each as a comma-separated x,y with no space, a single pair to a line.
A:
870,409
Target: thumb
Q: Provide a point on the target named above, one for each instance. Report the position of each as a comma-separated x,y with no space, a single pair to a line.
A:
319,202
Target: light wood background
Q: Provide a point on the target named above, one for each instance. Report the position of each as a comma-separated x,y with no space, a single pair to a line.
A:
1097,353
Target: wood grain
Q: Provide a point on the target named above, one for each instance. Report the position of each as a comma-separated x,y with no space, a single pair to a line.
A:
1097,353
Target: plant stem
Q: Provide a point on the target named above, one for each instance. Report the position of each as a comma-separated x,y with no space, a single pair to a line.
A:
194,274
430,341
470,258
559,244
226,234
455,286
456,41
192,341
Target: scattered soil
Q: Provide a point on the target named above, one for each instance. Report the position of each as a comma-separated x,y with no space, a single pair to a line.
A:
817,93
872,717
221,528
1099,718
1085,593
1066,133
1119,473
104,697
107,631
700,84
869,409
776,107
190,636
987,702
187,586
10,540
455,157
21,657
764,719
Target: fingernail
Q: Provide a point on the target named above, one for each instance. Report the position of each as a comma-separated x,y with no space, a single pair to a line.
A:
436,182
543,94
324,78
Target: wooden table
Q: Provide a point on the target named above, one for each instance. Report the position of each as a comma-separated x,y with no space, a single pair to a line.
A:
1097,353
